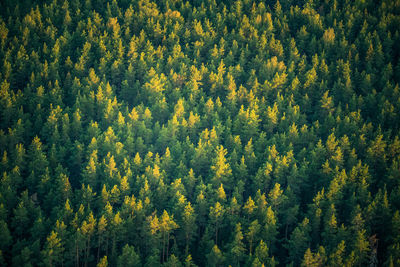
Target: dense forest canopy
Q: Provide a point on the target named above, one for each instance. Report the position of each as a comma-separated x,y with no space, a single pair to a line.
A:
199,133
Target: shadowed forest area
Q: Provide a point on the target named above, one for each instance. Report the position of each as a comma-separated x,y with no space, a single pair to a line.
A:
199,133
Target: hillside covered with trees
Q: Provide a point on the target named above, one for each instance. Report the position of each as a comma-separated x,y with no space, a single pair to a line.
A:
199,133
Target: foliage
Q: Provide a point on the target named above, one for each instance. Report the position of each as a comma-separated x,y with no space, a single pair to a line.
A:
199,133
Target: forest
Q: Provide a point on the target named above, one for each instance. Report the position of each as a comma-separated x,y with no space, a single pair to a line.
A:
199,133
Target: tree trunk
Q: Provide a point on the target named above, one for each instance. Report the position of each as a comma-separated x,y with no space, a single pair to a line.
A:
114,243
187,245
216,234
62,253
107,244
286,230
77,253
98,248
167,246
163,248
87,251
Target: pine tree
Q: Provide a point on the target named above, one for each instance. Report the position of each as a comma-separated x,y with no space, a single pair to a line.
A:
53,251
189,226
238,249
221,168
128,257
252,234
215,257
216,215
167,225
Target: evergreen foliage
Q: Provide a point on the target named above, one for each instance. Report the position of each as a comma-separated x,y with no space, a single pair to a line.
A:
199,133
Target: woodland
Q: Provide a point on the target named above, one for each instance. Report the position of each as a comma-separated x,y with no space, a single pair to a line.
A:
199,133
